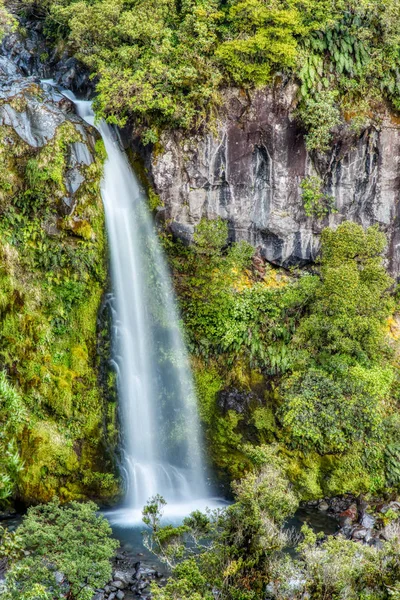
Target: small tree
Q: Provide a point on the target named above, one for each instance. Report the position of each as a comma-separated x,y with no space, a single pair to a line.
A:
226,554
67,553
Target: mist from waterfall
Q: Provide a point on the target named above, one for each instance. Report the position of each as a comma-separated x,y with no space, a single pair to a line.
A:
161,434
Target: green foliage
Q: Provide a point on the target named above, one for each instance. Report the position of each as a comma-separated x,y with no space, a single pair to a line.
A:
66,552
228,311
155,59
355,60
319,115
347,318
7,20
13,418
337,395
307,358
340,568
210,236
165,63
393,463
328,413
52,277
229,550
236,553
261,40
316,203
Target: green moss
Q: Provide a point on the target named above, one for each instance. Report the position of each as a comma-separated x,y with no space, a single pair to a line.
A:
154,200
101,151
208,384
53,276
141,172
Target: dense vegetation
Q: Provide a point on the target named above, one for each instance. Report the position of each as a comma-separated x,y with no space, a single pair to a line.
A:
52,278
241,553
297,371
305,360
57,552
164,63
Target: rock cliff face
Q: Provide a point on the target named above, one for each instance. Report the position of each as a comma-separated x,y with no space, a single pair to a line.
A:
248,171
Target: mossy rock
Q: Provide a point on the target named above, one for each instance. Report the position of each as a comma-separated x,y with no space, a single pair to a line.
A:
53,276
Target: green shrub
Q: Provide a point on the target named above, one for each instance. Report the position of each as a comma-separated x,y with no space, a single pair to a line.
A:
210,236
329,414
233,550
319,116
66,553
316,203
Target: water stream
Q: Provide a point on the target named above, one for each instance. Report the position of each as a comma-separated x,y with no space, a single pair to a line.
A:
161,433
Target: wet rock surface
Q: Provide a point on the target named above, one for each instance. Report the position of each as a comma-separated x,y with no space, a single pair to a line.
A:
35,111
368,522
131,579
249,170
236,400
33,56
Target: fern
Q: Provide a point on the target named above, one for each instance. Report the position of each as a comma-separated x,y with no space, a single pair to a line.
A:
392,456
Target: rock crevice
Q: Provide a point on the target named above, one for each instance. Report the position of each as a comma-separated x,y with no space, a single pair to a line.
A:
249,170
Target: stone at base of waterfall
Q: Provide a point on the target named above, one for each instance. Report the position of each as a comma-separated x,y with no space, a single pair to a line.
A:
122,577
120,585
130,581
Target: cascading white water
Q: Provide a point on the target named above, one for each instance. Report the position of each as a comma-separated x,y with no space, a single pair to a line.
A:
162,445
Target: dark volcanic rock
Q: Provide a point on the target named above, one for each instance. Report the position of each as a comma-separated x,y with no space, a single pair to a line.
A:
249,172
236,400
33,56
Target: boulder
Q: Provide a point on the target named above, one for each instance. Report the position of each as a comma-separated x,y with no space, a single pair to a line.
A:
349,515
122,576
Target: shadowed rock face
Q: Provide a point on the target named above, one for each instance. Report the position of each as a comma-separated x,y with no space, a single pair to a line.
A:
249,171
32,55
35,112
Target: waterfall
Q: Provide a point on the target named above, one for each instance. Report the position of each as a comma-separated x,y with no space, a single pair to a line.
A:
160,426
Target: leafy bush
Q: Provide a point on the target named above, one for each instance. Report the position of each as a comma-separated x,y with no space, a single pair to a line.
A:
165,63
319,115
316,203
329,414
66,553
7,21
353,300
340,568
232,550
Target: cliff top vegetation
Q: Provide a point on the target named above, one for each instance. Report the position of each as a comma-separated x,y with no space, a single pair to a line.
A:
164,63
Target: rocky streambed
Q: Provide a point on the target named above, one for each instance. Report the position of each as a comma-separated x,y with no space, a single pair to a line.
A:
366,521
130,580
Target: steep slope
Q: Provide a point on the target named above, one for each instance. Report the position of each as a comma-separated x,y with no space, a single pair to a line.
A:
58,427
249,171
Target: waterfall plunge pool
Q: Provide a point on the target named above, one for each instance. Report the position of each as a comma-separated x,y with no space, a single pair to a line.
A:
128,527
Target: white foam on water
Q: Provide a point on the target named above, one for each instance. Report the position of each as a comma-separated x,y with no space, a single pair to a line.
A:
172,513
